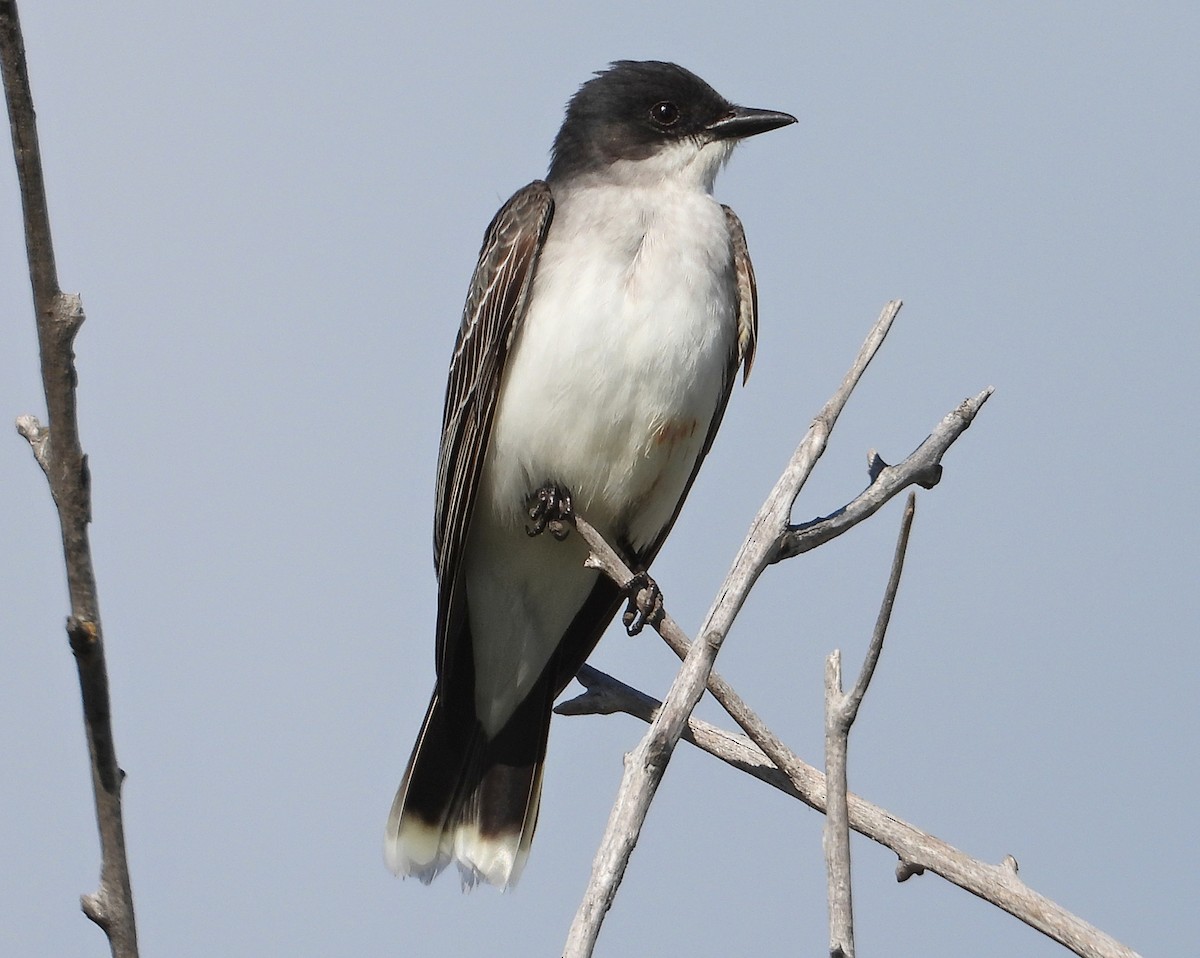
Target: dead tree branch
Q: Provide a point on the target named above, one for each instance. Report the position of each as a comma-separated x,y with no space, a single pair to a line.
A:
765,755
841,709
57,450
918,851
645,766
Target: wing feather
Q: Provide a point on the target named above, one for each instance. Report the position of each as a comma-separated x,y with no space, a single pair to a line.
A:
496,305
747,293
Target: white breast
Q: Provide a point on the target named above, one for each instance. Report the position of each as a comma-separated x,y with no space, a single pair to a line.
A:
617,371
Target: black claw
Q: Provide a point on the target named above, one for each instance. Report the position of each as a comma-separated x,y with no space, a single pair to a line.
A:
645,603
550,509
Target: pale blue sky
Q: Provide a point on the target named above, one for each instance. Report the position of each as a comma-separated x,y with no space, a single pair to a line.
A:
272,211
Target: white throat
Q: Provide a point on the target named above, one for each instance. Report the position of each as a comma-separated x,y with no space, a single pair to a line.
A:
687,164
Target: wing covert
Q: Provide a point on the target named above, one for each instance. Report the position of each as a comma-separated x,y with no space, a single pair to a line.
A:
747,293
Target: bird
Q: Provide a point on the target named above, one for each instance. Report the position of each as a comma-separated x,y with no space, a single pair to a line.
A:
610,312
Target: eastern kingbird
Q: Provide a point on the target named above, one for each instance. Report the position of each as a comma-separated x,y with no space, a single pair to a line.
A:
611,308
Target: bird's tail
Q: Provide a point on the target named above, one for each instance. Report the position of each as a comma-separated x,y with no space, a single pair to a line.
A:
469,798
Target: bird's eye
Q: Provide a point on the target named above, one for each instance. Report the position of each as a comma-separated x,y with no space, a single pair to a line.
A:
664,113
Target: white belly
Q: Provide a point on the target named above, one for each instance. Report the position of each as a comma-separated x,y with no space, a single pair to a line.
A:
611,386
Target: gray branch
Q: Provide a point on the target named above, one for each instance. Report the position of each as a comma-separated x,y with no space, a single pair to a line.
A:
841,709
921,468
645,765
764,754
57,450
917,850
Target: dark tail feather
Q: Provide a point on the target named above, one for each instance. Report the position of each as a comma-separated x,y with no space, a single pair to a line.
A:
469,799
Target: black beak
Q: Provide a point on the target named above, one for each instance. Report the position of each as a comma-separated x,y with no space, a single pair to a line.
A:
743,121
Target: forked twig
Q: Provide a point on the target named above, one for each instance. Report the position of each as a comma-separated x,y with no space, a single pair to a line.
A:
841,708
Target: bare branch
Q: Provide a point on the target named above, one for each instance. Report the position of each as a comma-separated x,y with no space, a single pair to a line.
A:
922,467
854,699
606,695
835,838
57,450
917,850
645,765
767,758
840,713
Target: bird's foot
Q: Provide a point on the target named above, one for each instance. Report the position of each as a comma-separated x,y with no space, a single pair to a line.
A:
645,603
549,509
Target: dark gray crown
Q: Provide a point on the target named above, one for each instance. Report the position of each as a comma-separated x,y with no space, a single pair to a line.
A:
630,111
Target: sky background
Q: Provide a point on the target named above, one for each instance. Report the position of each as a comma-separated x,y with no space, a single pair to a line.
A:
272,212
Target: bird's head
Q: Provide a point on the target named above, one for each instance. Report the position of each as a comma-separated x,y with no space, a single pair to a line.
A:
649,120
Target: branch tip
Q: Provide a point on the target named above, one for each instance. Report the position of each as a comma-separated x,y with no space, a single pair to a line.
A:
585,703
92,906
875,464
38,437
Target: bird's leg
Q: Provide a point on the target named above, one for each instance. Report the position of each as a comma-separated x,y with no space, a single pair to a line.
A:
549,508
645,603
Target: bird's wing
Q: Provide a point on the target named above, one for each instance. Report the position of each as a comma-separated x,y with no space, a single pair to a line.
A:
747,319
495,308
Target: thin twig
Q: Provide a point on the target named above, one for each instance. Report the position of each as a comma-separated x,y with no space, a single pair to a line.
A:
854,699
840,711
646,764
922,467
918,850
57,450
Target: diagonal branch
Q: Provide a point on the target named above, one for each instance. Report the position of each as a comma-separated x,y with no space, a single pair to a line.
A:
855,697
645,766
57,450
